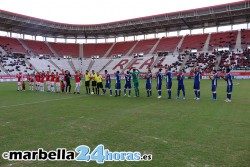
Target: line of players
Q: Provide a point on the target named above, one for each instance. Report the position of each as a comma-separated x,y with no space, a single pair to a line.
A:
197,76
97,85
53,82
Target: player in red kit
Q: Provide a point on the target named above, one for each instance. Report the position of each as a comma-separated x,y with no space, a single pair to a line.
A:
57,82
19,79
37,77
52,82
31,80
78,82
42,76
47,78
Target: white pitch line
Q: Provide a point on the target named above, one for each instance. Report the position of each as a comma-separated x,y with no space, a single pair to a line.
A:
37,102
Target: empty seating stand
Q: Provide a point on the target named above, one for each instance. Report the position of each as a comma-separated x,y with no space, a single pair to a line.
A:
223,39
168,44
38,47
245,38
12,45
144,46
194,42
63,49
90,50
121,48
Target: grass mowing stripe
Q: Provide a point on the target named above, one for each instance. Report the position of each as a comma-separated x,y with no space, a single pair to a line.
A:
37,102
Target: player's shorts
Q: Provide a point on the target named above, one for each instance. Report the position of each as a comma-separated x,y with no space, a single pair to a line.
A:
68,84
31,83
19,83
118,86
148,86
127,86
99,85
48,83
108,85
229,88
181,87
214,88
197,86
78,84
169,85
158,86
52,84
58,84
87,83
93,83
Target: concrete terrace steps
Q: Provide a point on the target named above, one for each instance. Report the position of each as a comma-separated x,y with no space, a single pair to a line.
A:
107,53
106,65
51,49
131,49
26,47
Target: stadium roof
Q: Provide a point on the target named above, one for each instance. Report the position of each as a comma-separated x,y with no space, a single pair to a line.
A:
219,15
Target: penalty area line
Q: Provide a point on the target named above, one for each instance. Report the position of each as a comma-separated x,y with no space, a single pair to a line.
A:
37,102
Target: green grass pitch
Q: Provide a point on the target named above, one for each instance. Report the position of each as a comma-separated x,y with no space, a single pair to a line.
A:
176,132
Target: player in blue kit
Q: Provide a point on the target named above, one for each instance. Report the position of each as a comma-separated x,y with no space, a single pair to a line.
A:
117,84
159,77
127,84
149,83
180,79
197,77
168,82
108,83
229,79
214,78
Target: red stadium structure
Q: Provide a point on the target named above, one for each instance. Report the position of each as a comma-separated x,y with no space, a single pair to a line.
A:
209,50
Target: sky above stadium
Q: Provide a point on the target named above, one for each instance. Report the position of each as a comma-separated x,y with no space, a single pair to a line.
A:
100,11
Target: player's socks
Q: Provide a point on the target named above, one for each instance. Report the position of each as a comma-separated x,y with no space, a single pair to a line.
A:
98,91
184,93
124,91
196,94
115,92
178,93
159,92
229,96
138,92
129,92
95,89
169,94
150,93
119,92
110,91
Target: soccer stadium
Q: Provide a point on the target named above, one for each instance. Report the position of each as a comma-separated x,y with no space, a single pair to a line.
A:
168,89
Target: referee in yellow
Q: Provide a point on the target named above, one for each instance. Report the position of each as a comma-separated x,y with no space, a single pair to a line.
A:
99,83
93,78
87,80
